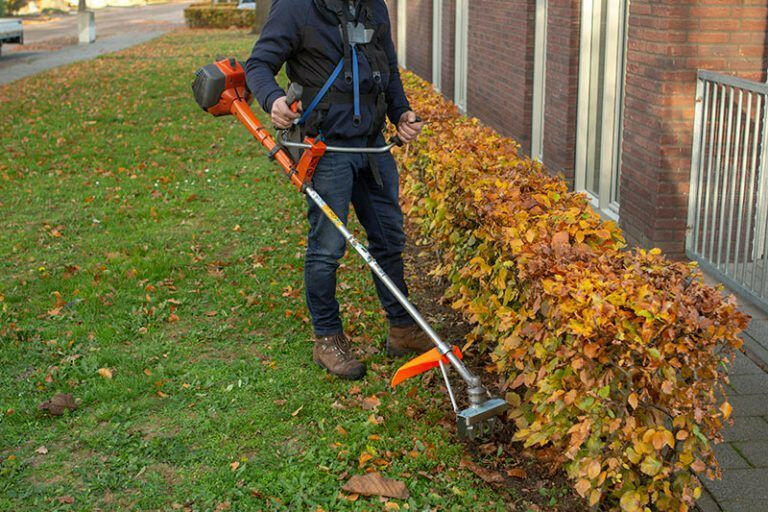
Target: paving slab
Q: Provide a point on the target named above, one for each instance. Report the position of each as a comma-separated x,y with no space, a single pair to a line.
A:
729,458
741,490
756,453
742,365
747,428
751,384
749,405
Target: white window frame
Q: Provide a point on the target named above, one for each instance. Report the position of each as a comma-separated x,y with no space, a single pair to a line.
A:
613,88
539,81
437,44
460,65
402,31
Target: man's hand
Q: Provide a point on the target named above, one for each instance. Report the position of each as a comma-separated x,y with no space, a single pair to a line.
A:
282,115
408,128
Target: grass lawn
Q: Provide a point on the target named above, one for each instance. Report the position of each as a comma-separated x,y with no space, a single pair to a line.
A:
152,267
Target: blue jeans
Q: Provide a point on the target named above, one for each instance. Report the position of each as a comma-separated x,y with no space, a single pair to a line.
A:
341,179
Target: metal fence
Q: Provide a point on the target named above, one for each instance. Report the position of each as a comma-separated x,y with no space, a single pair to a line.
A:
728,206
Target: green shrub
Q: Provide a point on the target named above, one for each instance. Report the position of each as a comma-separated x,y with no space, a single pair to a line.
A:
219,16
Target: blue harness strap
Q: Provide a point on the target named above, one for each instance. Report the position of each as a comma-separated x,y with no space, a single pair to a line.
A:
316,101
356,86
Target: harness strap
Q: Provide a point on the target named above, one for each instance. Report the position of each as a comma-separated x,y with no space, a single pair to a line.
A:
356,120
323,92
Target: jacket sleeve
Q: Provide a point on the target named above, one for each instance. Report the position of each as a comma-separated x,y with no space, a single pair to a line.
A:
280,37
397,102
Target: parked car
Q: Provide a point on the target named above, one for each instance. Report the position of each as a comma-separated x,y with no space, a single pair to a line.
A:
246,4
11,31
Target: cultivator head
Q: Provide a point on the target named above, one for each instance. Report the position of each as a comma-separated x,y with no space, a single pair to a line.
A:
477,421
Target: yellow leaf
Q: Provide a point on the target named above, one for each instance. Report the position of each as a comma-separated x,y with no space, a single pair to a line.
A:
105,372
364,457
582,486
593,469
391,505
630,502
632,399
726,409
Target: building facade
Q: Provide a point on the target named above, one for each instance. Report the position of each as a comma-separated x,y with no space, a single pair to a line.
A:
602,91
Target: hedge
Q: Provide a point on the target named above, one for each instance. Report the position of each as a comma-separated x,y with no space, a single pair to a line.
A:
206,15
613,359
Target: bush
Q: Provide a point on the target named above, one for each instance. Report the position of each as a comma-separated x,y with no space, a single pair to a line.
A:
205,15
613,359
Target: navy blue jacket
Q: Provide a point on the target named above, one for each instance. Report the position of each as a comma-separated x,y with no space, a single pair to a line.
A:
297,33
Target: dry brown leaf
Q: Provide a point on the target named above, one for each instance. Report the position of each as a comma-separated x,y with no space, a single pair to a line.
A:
371,403
297,411
373,484
58,404
42,450
234,465
487,475
66,500
105,372
517,473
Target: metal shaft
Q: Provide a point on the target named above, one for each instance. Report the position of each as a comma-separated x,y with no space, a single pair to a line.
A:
476,391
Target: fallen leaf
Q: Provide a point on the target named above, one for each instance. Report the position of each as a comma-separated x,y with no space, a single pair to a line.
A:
105,372
364,457
726,409
487,475
42,450
58,404
517,473
234,465
67,500
373,484
391,505
297,411
341,431
371,403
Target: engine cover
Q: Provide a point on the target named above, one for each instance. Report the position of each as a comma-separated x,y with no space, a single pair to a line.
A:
217,85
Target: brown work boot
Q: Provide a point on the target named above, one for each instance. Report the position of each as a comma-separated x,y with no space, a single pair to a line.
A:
335,355
409,339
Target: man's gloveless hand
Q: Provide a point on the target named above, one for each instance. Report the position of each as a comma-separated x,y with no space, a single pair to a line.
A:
282,115
408,128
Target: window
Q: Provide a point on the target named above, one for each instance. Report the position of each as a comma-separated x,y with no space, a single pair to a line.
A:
601,99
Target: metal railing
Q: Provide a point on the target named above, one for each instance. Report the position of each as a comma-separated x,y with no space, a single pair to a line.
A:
727,204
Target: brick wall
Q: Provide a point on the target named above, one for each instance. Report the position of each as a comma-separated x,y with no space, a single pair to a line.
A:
562,87
668,41
419,36
500,65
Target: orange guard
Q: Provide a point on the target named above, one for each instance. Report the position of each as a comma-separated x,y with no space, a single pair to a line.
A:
420,364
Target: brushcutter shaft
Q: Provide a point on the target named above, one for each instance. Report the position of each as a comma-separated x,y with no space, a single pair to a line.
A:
472,381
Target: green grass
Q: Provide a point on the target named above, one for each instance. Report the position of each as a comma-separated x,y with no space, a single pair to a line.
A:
176,249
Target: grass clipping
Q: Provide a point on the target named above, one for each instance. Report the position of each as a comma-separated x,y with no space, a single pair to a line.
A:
612,359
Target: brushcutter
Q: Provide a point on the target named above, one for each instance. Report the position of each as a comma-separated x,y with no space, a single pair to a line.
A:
220,89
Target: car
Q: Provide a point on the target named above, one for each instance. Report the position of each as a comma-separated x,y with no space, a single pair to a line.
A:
11,31
246,4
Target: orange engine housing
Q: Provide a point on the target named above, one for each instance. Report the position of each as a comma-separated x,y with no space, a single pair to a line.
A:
218,85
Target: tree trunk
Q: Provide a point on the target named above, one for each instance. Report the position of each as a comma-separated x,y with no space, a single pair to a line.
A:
81,6
260,15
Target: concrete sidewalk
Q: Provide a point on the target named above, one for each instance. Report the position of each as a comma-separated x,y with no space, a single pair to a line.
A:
743,456
69,54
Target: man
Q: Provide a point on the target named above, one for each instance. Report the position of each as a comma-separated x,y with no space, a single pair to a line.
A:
341,52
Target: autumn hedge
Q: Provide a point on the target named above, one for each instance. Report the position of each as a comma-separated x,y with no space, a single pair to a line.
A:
223,15
614,359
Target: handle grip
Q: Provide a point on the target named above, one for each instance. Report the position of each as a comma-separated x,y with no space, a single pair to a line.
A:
293,96
396,139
